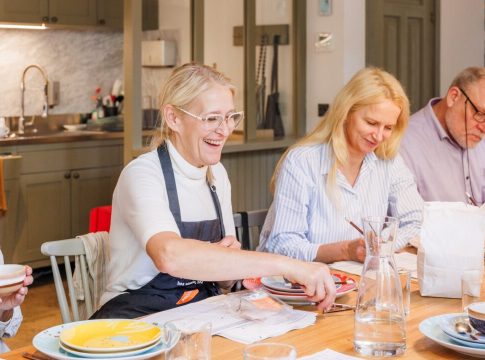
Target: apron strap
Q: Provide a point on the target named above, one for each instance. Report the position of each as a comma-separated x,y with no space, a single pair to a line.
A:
215,199
171,187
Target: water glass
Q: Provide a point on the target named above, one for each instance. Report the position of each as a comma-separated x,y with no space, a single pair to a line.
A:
471,281
195,340
405,279
269,351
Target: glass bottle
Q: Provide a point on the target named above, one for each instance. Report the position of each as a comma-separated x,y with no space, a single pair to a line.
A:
380,326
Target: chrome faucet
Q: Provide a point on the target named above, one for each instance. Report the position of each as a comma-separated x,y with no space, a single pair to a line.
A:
45,107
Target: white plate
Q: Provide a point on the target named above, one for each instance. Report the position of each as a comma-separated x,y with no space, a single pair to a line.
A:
278,283
281,289
47,342
74,127
97,355
447,324
431,329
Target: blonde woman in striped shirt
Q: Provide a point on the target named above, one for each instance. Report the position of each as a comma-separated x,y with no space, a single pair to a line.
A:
345,169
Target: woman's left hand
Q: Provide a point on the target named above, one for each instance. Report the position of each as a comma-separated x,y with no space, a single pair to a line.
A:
10,301
355,249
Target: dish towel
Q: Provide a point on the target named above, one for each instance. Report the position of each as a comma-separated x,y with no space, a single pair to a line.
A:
96,246
3,196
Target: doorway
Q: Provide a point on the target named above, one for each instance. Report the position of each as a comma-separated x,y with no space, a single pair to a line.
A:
401,38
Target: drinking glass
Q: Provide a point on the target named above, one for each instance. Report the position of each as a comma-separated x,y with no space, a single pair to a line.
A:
269,351
471,281
195,340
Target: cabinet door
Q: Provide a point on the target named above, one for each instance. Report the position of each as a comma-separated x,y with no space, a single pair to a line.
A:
90,188
8,223
26,11
72,12
110,13
44,214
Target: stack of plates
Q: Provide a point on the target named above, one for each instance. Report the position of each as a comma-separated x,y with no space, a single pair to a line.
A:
105,339
295,295
441,329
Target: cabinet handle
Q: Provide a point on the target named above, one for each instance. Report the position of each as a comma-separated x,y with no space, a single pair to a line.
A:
102,22
54,19
45,19
75,175
67,175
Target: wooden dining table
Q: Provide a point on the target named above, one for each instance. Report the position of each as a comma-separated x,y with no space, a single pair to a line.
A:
335,331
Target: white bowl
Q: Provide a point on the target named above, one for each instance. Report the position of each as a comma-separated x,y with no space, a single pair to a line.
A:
11,278
74,127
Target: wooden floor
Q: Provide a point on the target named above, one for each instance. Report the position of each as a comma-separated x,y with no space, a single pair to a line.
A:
40,311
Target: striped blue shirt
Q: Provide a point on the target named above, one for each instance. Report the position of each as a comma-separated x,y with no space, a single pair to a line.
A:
303,216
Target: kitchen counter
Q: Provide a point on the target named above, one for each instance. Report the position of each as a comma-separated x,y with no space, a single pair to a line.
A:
60,137
234,144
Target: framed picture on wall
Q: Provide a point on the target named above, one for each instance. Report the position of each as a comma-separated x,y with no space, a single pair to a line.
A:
325,7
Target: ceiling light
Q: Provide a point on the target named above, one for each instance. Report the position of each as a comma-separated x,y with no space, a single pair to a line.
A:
19,26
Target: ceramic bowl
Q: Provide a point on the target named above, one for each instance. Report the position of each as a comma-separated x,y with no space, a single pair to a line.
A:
11,278
476,314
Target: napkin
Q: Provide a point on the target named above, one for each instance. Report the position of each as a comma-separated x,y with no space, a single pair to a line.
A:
452,240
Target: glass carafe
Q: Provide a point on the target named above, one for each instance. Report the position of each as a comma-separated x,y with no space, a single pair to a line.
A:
380,326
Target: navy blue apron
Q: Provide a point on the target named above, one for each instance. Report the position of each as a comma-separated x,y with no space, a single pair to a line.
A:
164,291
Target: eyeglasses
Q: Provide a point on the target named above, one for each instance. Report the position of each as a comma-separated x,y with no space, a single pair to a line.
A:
479,116
214,121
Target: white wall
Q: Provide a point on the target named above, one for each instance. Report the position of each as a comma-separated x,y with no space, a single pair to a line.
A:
327,72
462,38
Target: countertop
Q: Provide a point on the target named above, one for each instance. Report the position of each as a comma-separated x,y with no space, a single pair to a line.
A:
234,144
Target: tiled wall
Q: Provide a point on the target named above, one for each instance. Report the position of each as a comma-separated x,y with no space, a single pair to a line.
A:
79,60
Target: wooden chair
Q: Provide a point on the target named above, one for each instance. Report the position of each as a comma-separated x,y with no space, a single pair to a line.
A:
252,223
65,250
238,225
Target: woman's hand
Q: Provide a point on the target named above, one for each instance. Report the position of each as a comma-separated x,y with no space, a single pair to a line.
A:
230,242
355,249
316,280
15,299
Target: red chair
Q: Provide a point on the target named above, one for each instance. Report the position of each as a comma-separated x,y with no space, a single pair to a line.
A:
100,218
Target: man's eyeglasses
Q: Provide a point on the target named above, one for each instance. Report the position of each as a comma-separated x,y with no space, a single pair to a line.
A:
213,121
479,116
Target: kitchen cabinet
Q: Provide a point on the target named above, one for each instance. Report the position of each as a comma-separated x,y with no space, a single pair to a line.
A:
59,184
110,14
65,12
102,13
8,222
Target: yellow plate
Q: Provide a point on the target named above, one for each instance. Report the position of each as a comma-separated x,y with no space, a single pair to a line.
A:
110,335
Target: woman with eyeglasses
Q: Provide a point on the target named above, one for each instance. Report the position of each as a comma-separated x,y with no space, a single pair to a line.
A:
346,169
172,236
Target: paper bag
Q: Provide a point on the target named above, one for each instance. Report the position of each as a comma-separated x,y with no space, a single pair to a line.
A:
452,241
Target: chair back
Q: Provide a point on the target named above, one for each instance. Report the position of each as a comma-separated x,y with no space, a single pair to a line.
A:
65,250
238,224
87,282
252,223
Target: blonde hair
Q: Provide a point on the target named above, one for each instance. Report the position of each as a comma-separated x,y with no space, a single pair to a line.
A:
367,87
468,76
183,86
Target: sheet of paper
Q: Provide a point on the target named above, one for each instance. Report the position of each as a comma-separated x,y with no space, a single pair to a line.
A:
328,354
403,260
231,325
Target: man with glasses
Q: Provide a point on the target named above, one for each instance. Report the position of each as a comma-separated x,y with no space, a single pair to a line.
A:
443,145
